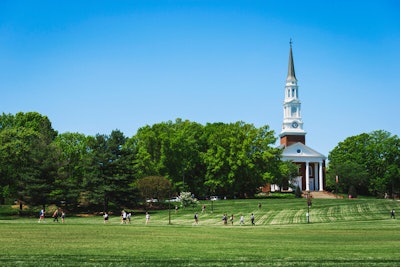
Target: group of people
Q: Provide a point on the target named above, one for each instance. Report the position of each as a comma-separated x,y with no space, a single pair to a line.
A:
231,219
125,217
56,214
241,221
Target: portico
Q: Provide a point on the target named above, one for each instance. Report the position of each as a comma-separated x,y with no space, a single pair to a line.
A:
311,166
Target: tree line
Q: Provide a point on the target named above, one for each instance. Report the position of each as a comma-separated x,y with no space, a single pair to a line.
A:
40,166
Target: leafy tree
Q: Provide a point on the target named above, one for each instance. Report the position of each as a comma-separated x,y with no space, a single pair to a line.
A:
231,159
383,153
154,187
172,150
181,155
350,175
286,173
148,146
14,150
29,158
68,184
239,158
36,122
367,162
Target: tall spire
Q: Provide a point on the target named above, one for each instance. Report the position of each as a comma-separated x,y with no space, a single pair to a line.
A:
292,127
291,74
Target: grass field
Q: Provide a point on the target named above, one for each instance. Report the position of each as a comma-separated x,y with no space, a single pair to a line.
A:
341,233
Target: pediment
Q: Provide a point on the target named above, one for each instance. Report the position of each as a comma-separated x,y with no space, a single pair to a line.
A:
301,152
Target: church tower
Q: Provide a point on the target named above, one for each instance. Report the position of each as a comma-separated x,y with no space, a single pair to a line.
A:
292,127
311,164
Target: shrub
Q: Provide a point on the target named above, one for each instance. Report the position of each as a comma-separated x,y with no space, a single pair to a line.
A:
187,199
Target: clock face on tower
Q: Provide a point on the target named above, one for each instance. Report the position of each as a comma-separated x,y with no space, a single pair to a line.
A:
295,124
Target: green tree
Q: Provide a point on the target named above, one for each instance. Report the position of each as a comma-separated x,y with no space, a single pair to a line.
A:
15,146
154,187
172,150
147,145
350,174
107,179
29,158
39,175
239,158
287,171
68,184
181,156
366,162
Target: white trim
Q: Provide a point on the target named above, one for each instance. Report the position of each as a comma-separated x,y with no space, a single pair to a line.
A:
307,176
321,177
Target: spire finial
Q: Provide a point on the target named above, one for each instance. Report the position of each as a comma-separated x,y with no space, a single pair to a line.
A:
290,42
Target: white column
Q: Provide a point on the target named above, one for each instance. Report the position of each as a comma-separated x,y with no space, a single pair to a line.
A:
320,175
307,176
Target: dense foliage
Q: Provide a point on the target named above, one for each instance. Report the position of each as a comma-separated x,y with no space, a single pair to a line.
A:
38,166
366,164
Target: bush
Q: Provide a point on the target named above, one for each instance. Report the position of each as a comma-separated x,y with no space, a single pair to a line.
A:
187,199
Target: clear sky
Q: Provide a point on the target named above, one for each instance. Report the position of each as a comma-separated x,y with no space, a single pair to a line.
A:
94,66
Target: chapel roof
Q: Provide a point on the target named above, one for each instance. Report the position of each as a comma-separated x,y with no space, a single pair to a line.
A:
300,152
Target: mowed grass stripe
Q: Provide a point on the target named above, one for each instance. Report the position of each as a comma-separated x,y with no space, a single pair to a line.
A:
281,237
272,212
345,211
289,212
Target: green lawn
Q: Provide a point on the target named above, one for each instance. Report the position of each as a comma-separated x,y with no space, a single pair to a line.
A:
341,233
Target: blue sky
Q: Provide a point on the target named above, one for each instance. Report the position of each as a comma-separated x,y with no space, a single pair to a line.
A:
96,66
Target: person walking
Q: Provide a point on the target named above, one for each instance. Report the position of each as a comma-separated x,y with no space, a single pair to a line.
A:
196,218
41,215
225,219
252,219
105,216
231,219
55,216
123,217
392,214
241,220
147,217
203,209
62,216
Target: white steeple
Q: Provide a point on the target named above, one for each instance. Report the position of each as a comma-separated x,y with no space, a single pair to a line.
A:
292,122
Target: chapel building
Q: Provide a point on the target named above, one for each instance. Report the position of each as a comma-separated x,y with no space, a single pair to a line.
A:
293,138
